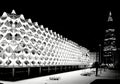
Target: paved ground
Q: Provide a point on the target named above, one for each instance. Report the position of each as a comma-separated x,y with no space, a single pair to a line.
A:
86,76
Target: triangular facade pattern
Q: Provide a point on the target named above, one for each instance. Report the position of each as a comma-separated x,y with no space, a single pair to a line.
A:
24,43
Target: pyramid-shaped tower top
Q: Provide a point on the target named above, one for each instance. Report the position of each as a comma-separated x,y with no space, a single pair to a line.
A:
110,17
13,12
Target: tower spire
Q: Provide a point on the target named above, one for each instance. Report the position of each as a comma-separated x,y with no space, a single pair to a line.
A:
110,17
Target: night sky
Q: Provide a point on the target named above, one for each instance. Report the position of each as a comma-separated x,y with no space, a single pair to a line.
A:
79,22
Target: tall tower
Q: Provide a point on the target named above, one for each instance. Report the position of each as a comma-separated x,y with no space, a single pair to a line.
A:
110,49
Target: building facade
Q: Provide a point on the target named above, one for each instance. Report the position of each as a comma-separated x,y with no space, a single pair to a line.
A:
93,57
110,43
28,49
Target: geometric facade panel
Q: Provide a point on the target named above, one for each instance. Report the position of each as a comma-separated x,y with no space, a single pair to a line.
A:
24,43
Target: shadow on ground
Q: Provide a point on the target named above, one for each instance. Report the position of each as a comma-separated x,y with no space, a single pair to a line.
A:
106,81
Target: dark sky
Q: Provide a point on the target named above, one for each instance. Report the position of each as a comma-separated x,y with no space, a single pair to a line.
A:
79,22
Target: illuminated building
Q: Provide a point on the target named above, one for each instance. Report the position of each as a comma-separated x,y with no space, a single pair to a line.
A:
110,47
30,49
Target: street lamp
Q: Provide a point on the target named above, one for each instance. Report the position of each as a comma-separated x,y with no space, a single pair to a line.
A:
99,53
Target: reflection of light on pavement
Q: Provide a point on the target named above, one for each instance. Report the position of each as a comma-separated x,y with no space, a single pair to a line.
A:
73,77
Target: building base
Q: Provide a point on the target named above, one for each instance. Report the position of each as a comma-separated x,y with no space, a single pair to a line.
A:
21,73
